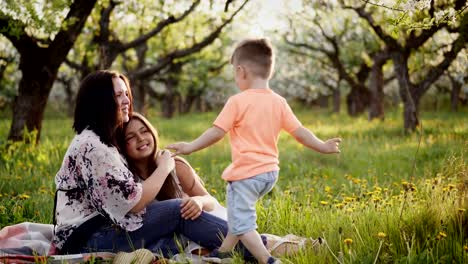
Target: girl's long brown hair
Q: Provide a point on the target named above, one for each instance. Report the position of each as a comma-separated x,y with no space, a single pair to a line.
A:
170,188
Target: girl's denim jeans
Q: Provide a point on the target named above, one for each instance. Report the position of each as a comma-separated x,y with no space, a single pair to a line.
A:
163,228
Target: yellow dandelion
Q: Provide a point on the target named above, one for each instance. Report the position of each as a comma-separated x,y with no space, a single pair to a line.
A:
451,186
327,189
348,241
323,202
381,235
339,206
356,181
442,234
24,196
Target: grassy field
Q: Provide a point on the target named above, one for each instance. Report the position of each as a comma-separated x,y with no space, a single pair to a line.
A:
387,198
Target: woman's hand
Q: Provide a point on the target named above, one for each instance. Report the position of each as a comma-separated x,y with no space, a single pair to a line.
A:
191,208
165,161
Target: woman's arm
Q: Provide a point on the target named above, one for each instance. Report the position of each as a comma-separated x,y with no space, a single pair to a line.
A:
199,198
152,185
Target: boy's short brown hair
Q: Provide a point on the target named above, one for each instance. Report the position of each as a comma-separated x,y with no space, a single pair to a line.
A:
258,54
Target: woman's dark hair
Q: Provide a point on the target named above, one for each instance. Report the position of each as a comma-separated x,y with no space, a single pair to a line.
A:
96,106
170,188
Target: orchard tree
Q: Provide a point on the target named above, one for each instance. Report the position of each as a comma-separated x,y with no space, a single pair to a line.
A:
43,44
420,21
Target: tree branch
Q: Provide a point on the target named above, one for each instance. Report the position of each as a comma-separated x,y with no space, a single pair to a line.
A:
75,20
14,30
377,28
159,27
436,71
168,58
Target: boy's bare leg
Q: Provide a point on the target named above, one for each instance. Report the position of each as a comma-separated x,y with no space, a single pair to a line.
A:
253,242
229,242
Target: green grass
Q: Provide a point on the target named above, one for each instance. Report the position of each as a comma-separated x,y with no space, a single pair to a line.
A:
407,187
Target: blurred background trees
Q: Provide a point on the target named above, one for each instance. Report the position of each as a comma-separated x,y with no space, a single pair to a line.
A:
361,56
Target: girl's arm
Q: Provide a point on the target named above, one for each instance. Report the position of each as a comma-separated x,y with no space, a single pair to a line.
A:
199,199
152,185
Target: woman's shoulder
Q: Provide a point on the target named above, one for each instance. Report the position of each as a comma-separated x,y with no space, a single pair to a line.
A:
88,141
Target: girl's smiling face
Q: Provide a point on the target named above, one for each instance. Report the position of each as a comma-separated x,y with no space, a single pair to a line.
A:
139,142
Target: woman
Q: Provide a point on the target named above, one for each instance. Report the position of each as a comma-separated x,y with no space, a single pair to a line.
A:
140,144
100,206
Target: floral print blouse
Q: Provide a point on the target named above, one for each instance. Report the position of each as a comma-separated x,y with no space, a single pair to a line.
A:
94,179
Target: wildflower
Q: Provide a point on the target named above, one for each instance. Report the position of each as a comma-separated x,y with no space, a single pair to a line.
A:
348,241
451,186
327,189
381,235
24,196
339,206
349,210
356,181
442,234
465,247
323,202
460,210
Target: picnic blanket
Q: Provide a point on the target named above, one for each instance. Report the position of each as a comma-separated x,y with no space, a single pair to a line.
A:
31,243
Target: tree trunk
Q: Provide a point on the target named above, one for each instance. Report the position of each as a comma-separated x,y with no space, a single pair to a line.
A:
187,103
39,67
357,100
376,84
139,96
168,105
69,97
199,104
410,113
322,101
454,93
30,103
337,99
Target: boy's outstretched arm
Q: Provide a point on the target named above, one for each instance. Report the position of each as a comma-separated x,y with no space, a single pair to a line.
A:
208,138
308,139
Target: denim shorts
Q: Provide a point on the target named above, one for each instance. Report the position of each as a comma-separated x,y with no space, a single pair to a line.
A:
241,198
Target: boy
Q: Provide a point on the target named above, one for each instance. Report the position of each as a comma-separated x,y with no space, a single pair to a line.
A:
253,118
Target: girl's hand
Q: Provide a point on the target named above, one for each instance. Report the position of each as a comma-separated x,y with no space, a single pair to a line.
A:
191,208
165,161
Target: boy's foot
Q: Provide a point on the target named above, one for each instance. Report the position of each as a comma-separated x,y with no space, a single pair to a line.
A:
219,257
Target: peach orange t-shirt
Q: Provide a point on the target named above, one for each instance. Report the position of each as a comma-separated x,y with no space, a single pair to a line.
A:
254,119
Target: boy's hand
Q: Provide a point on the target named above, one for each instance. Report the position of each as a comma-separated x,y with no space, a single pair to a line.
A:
332,146
181,148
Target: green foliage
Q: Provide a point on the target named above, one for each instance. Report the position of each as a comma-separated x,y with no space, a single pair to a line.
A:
368,202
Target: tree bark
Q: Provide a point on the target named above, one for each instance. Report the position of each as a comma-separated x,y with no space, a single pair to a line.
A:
376,84
410,112
337,99
357,100
39,66
454,93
